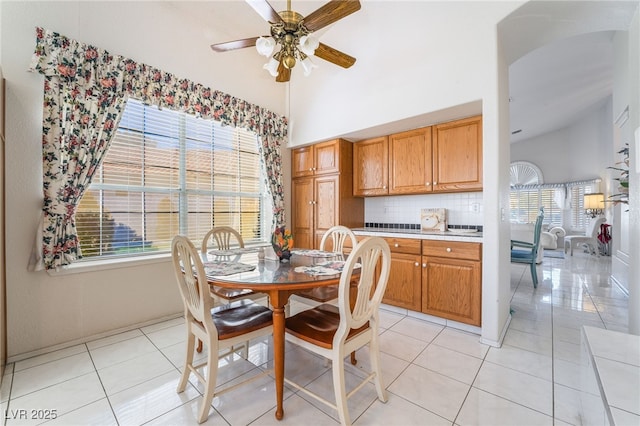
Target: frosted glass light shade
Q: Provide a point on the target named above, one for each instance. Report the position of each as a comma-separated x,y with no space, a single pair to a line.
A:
272,67
307,66
265,46
308,44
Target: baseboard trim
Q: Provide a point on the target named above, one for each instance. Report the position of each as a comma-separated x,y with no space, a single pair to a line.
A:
498,343
42,351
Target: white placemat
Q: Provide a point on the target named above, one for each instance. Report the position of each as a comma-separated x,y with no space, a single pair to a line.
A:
315,253
226,268
326,268
234,252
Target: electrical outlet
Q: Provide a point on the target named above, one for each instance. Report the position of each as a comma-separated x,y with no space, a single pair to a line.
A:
475,207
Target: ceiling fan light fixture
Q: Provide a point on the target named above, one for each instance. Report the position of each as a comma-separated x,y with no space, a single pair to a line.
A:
307,66
289,61
308,44
272,67
291,38
265,46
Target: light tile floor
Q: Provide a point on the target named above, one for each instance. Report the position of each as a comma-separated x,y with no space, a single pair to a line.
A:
435,375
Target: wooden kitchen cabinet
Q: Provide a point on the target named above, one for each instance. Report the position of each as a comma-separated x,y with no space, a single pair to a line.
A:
410,162
457,155
403,286
322,192
445,157
452,280
371,167
318,159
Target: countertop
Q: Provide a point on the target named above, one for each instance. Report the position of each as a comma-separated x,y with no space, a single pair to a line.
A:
472,237
611,370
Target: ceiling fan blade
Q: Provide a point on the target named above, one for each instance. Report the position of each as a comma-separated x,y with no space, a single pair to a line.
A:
236,44
330,13
284,73
335,56
265,10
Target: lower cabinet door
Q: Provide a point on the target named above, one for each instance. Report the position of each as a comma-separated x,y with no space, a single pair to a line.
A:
452,289
403,287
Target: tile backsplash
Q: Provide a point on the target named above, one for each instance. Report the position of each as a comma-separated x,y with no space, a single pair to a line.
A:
463,208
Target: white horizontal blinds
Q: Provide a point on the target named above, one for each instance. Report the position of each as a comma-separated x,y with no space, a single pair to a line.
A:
578,217
552,213
222,179
525,205
168,173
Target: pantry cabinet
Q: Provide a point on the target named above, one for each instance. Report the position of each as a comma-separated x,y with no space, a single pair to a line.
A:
322,191
319,159
452,280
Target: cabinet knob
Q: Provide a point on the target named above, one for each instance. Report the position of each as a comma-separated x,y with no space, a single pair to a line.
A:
384,186
417,264
396,245
424,265
428,183
435,183
448,249
310,202
313,168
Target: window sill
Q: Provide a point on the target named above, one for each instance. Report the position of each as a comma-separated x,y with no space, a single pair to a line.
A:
101,265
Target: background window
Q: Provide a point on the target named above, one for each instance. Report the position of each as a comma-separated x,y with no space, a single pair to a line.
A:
166,173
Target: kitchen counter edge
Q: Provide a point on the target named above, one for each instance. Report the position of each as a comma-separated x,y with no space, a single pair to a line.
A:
445,236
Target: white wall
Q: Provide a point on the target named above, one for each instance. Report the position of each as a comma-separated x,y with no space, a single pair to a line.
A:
633,89
46,310
580,151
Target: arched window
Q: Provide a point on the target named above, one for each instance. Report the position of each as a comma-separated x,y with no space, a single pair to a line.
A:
525,173
527,197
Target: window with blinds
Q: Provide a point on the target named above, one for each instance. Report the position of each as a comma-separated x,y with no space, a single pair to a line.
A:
169,173
525,204
578,218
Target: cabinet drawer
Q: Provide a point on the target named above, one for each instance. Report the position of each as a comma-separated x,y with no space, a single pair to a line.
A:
403,245
452,249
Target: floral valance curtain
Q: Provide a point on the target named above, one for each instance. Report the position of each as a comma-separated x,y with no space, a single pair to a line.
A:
84,92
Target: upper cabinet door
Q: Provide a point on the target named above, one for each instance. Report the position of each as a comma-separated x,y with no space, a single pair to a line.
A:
410,162
370,167
457,155
326,157
302,162
318,159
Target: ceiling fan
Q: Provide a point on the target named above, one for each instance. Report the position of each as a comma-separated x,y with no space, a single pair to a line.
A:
292,33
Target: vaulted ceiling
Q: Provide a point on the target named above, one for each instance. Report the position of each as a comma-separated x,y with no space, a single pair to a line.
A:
555,85
550,88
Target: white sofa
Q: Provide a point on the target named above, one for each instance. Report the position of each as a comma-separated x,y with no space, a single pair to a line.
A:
550,239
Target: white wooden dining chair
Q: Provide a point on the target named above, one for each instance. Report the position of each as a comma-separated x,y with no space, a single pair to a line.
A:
226,238
220,328
333,240
335,332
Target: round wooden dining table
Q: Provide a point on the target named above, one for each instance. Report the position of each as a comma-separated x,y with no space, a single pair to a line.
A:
279,280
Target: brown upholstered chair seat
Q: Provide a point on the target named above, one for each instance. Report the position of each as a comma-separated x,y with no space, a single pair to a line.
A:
230,294
318,325
320,294
240,317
